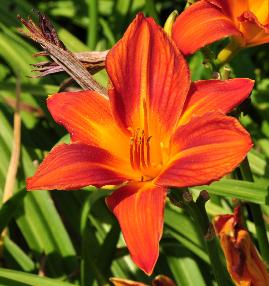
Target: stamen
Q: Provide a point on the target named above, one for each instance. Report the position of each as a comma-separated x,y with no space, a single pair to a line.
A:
137,150
143,161
145,115
140,151
148,152
132,152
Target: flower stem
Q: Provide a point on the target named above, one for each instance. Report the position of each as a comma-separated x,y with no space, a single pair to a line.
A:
93,24
205,229
257,214
209,59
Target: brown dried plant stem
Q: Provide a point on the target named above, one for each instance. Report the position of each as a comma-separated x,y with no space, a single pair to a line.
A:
46,36
15,154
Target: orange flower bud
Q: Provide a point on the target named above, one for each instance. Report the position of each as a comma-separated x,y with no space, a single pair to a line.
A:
162,280
159,280
125,282
243,261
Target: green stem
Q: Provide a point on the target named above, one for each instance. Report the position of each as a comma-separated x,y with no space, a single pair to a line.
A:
209,59
205,229
93,23
257,214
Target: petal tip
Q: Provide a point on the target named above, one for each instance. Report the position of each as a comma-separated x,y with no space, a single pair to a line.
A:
141,230
148,267
250,82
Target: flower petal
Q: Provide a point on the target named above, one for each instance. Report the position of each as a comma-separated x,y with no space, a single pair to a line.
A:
150,77
231,8
139,208
201,24
260,8
250,17
254,32
87,117
125,282
205,149
209,95
234,9
74,166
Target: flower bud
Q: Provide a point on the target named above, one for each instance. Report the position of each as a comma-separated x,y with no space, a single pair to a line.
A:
243,261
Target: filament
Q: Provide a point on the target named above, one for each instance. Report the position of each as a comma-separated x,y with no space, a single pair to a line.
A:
140,150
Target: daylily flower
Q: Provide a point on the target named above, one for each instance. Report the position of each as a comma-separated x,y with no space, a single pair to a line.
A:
207,21
160,280
156,130
243,261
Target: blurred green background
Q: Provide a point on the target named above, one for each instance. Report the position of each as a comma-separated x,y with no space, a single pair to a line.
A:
71,237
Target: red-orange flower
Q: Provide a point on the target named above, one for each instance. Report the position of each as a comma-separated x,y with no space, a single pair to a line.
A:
160,280
156,130
207,21
243,261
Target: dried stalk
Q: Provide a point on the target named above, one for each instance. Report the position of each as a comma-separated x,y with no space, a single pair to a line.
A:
92,61
15,154
46,35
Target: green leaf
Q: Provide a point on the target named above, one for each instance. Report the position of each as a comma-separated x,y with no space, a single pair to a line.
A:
248,191
10,208
29,279
184,267
109,247
18,255
15,54
88,253
34,89
39,221
184,231
257,162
